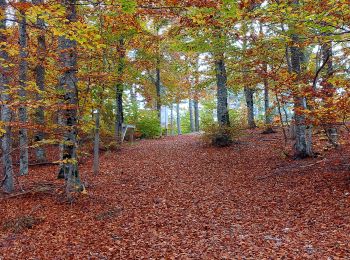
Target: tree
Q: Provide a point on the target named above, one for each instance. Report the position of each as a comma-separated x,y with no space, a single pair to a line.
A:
40,82
303,144
221,77
22,112
6,113
68,82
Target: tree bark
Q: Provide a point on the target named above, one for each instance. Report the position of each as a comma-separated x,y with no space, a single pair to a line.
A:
268,118
6,114
40,82
327,57
172,119
119,92
303,142
97,143
68,82
196,115
178,119
248,92
221,78
158,88
22,111
190,107
249,97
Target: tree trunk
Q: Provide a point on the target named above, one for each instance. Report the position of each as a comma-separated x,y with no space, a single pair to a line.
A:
68,82
40,82
178,119
166,120
6,114
221,78
281,119
22,112
303,142
268,118
158,87
119,93
172,120
190,106
327,57
248,92
196,115
249,97
97,143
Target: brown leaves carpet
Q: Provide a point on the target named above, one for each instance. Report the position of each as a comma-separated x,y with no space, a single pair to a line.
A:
175,198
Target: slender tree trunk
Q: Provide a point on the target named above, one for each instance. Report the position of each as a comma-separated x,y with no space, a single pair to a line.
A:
281,119
97,143
134,104
221,78
22,112
68,82
327,57
119,93
248,92
196,114
196,98
268,115
192,124
6,114
268,118
166,119
40,82
172,120
178,119
158,88
303,142
249,97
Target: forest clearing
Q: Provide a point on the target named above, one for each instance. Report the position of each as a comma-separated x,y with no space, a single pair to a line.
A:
174,129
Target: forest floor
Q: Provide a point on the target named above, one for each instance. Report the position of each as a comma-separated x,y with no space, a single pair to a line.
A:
175,198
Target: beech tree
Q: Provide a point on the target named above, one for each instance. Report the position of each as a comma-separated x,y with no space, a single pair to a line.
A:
40,82
68,82
7,181
22,112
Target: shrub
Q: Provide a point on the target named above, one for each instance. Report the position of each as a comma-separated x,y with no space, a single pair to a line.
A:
207,114
148,124
221,136
186,123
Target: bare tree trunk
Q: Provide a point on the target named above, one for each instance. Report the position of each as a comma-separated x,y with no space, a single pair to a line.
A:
268,118
249,97
172,120
178,119
40,82
97,143
303,142
281,119
248,92
221,78
22,111
68,82
6,114
166,119
119,93
158,87
196,115
190,107
327,56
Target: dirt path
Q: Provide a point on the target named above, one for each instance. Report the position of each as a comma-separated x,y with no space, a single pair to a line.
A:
177,199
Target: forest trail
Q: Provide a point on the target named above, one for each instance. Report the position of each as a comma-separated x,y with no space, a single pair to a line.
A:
175,198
